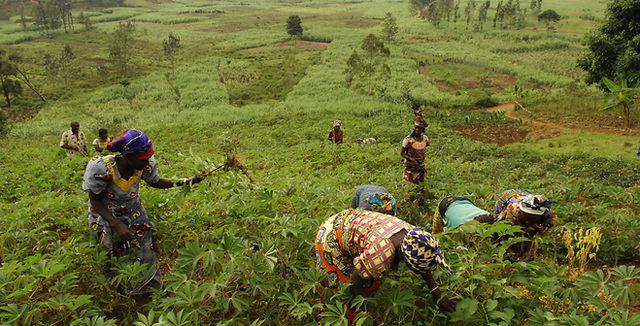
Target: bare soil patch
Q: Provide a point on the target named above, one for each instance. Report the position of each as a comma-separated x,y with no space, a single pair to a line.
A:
305,44
501,135
21,115
441,84
542,126
226,28
503,81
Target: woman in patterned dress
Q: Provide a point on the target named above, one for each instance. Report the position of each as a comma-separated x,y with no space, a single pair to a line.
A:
116,214
413,151
360,246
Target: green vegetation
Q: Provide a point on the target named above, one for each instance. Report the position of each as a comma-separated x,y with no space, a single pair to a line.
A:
613,50
236,252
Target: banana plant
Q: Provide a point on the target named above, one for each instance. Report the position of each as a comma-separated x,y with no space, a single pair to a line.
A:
626,96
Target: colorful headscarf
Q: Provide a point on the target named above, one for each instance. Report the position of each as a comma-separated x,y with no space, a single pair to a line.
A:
337,123
380,202
421,251
132,143
419,121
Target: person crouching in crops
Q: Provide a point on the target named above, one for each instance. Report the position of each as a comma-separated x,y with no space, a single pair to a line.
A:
374,198
532,212
360,246
454,211
413,151
116,215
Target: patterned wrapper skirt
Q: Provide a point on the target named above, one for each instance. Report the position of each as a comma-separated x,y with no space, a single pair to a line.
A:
332,254
413,176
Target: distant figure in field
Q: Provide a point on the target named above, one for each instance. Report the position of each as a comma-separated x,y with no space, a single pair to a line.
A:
454,211
369,140
335,135
361,246
116,214
413,151
374,198
103,139
532,212
73,141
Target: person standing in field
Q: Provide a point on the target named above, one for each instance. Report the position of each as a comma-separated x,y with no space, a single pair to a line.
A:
74,141
413,151
374,198
360,247
116,214
335,135
103,139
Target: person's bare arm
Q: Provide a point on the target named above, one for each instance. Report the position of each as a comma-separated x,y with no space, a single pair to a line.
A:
357,289
444,302
122,230
404,152
164,183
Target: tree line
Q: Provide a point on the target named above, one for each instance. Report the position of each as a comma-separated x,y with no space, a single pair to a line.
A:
508,14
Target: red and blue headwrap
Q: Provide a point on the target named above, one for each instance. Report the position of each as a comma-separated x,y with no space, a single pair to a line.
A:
132,143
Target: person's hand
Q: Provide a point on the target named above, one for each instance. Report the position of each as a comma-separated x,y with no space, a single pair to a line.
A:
446,303
123,232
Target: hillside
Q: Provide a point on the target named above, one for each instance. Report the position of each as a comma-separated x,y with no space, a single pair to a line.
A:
236,252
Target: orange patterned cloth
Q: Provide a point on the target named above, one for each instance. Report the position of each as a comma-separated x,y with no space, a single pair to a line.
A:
358,240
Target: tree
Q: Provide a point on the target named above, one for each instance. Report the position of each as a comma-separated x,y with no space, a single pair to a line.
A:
456,12
170,48
46,16
23,20
389,27
8,75
482,18
66,62
468,12
61,66
294,27
86,21
371,62
614,47
625,97
17,62
498,15
120,49
417,6
549,17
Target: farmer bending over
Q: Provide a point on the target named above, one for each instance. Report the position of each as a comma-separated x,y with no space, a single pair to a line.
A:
374,198
360,246
532,212
453,211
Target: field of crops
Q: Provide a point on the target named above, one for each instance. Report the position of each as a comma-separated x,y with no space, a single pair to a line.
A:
239,252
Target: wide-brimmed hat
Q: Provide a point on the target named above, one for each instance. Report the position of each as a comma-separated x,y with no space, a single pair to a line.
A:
420,250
